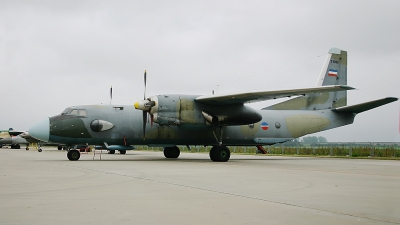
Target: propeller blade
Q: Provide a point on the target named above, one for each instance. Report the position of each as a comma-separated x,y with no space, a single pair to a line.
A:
110,95
144,112
145,81
144,124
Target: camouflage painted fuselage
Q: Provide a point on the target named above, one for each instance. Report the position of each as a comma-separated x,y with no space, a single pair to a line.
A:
275,126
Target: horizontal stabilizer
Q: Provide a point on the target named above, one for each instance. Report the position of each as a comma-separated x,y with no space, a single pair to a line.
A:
257,96
359,108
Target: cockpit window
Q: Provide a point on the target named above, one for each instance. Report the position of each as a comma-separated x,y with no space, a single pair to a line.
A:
74,112
82,112
66,111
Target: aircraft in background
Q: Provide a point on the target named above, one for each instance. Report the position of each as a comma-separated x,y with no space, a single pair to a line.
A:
12,138
17,138
222,120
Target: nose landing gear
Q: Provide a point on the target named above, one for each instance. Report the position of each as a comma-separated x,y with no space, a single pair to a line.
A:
73,155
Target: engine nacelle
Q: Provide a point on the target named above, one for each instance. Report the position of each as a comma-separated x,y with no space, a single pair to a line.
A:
184,110
166,110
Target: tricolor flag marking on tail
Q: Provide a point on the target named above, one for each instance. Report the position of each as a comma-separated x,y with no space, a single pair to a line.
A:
264,126
332,73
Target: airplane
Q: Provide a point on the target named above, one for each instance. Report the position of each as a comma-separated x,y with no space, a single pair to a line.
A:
16,138
219,120
12,138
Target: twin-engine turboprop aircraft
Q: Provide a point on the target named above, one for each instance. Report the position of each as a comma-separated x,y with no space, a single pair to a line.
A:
216,120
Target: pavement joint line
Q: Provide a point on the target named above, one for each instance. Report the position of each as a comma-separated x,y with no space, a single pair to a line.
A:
236,195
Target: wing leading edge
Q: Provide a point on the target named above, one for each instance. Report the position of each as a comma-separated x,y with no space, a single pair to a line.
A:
257,96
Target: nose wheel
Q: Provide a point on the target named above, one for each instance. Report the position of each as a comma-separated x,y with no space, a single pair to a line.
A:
73,155
39,146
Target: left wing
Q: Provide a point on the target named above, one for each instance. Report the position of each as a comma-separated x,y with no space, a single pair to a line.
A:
257,96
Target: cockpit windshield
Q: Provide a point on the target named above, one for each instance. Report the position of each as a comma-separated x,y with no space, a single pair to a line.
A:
66,111
74,112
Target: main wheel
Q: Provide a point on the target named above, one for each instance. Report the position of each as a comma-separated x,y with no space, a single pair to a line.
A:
212,153
172,152
122,151
220,154
15,146
59,147
39,150
111,152
73,155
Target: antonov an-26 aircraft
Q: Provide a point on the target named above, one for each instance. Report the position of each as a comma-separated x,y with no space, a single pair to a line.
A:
215,120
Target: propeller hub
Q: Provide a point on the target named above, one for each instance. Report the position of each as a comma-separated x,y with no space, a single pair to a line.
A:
136,105
144,105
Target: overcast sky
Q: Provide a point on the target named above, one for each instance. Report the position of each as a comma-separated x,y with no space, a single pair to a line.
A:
55,54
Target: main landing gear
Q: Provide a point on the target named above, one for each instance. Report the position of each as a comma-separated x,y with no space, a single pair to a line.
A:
220,153
15,146
172,152
217,153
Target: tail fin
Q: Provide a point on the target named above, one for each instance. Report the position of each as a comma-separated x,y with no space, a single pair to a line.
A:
334,72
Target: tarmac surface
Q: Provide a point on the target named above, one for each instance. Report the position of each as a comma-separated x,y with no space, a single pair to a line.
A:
143,187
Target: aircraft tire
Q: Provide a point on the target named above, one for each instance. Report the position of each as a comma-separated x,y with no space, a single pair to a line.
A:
166,152
171,152
111,152
15,146
122,151
59,147
27,148
212,151
73,155
39,150
220,154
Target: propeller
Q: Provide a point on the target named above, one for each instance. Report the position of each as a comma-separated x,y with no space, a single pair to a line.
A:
144,112
145,105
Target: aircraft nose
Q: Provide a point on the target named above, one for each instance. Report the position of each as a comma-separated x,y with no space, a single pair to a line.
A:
41,130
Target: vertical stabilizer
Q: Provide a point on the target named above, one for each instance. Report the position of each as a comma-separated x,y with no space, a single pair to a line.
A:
334,72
